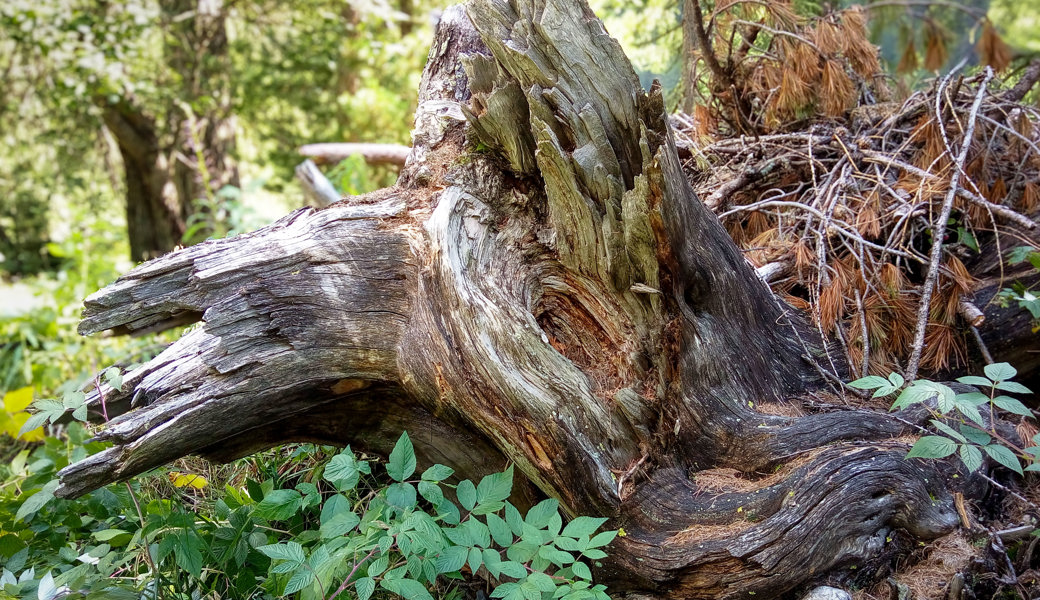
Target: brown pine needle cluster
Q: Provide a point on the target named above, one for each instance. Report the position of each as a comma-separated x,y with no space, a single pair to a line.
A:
839,216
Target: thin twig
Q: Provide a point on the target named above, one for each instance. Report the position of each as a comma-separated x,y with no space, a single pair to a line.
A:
940,230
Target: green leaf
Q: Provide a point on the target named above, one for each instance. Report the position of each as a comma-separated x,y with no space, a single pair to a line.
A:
364,588
279,505
932,446
1000,371
1012,406
437,473
869,382
432,492
896,379
973,398
541,513
1014,387
492,561
401,495
402,461
602,539
467,494
377,566
1004,456
452,559
409,589
288,551
495,487
516,522
543,582
339,524
508,591
594,553
298,581
944,428
512,568
342,471
37,501
476,558
975,436
971,457
499,530
522,551
581,570
975,380
580,526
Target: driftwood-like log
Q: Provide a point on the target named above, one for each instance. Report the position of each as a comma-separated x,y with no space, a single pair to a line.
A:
541,287
374,154
318,189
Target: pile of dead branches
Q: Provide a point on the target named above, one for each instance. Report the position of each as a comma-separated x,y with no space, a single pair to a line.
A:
872,221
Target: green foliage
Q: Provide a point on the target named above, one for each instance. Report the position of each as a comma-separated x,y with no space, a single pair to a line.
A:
336,528
974,433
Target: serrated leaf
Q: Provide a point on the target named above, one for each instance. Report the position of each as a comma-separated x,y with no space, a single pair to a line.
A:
432,492
512,568
1013,387
944,428
580,526
1004,456
495,487
402,460
467,494
37,501
975,380
541,513
602,539
543,582
342,471
973,398
581,570
1000,371
409,589
507,591
869,382
298,581
475,560
883,391
516,522
499,530
437,473
896,379
971,457
288,551
377,566
975,436
401,495
932,446
35,421
364,587
452,559
279,505
594,554
1012,406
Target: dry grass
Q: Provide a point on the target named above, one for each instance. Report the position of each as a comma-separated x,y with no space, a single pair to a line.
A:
929,578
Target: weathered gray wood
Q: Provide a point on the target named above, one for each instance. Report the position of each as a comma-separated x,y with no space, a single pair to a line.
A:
318,189
542,286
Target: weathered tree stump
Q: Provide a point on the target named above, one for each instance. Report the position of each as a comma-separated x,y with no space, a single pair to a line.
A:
542,287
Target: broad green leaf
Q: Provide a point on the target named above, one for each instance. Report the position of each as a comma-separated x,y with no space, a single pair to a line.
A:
377,566
896,379
508,591
37,501
499,530
602,539
492,561
364,588
516,522
594,554
402,461
409,589
467,494
339,524
452,559
512,568
975,436
975,380
1012,406
541,513
530,590
495,487
555,555
289,551
432,492
279,505
869,382
543,582
1000,371
401,495
298,581
944,428
580,526
973,398
581,570
437,473
932,446
342,471
971,457
475,560
522,551
1004,456
883,391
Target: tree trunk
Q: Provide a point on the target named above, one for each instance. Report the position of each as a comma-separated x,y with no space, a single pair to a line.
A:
541,287
173,172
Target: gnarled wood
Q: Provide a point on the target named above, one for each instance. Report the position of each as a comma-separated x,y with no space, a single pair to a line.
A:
543,287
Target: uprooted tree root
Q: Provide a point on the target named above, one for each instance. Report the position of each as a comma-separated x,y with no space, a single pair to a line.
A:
885,227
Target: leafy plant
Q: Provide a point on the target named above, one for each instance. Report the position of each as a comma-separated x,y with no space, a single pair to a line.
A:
1018,293
974,434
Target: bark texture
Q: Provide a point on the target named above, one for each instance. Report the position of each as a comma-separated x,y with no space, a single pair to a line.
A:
542,286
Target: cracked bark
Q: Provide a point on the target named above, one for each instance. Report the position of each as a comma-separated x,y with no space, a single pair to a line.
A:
541,287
